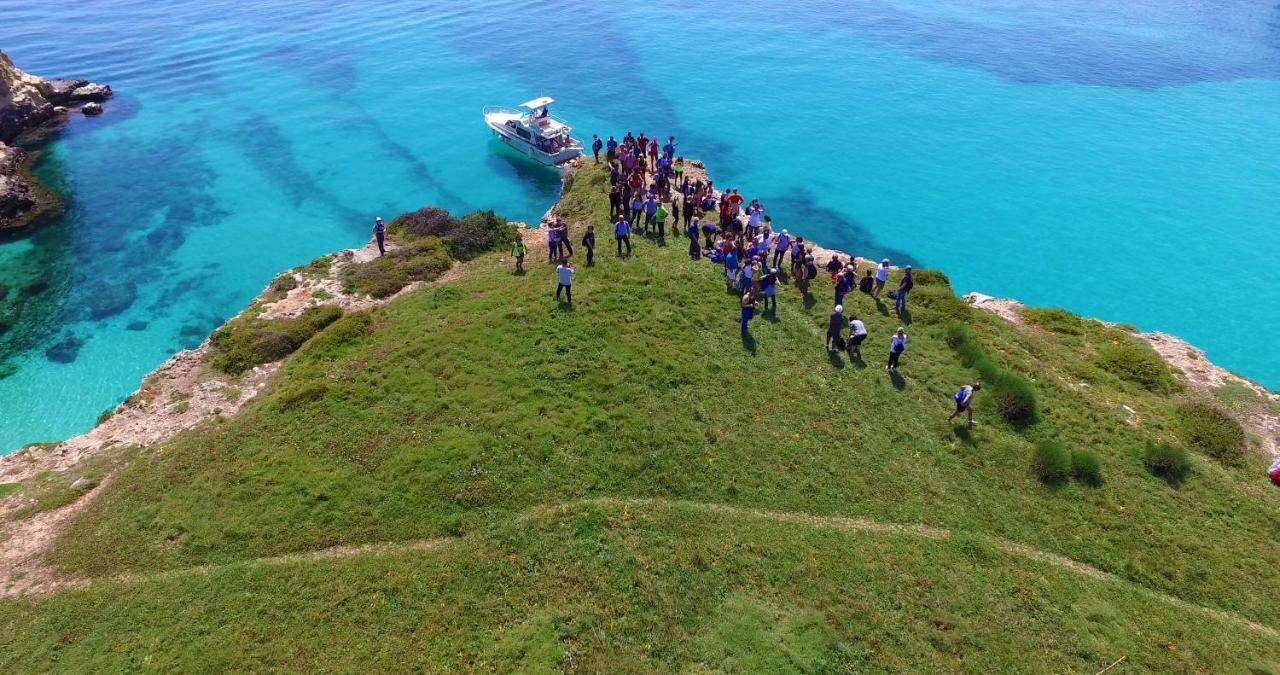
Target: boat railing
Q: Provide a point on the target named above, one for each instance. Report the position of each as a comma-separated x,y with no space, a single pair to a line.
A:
490,109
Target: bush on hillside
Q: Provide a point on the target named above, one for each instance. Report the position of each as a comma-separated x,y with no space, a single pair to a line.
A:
479,232
1013,397
249,341
1137,364
1211,430
938,305
1086,467
1051,462
418,260
1167,461
1054,319
930,278
429,221
347,330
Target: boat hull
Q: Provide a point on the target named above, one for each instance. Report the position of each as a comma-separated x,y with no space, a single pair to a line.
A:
508,136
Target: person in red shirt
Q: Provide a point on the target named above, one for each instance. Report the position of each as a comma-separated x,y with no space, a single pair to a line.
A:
653,150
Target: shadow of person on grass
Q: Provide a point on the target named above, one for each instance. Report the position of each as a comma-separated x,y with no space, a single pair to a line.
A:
565,306
858,362
963,433
809,301
905,317
837,361
899,382
749,343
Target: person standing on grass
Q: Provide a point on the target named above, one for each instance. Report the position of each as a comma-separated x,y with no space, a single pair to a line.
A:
553,242
730,269
380,233
691,231
517,251
615,200
904,287
650,211
844,284
897,345
622,234
589,243
637,207
780,246
748,310
565,272
769,289
857,333
562,238
660,217
964,401
882,275
596,144
835,325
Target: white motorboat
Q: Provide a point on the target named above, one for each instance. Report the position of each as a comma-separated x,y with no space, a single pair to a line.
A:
533,131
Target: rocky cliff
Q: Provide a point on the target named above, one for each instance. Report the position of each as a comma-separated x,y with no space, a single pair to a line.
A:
28,103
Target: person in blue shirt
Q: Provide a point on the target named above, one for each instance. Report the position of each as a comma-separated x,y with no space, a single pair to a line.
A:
650,211
622,234
670,148
964,401
596,144
611,144
731,269
695,250
748,310
780,246
844,284
637,207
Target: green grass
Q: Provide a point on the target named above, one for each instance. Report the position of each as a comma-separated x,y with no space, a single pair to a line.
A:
458,410
1211,430
416,260
249,341
1137,363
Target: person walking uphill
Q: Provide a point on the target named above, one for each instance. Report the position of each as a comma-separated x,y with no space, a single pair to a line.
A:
857,333
565,272
835,325
897,345
622,234
380,234
964,401
518,250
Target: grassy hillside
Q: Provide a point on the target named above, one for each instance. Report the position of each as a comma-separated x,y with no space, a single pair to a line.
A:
625,485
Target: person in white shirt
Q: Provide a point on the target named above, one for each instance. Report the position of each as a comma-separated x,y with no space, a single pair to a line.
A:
897,345
857,333
882,275
565,272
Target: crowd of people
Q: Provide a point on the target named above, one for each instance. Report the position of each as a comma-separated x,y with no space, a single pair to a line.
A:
649,183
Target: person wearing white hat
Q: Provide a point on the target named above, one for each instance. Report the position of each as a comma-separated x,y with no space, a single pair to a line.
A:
780,245
380,233
835,325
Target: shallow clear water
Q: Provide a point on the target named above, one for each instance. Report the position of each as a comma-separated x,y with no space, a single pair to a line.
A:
1118,159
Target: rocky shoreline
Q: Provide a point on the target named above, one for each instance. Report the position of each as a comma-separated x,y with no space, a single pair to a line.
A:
31,106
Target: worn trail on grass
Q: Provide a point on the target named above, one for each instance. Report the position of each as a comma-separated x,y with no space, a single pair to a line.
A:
842,523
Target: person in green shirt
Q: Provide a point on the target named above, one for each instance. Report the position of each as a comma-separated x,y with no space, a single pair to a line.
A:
518,250
661,217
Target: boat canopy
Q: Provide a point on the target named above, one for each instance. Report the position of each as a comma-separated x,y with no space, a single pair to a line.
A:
540,102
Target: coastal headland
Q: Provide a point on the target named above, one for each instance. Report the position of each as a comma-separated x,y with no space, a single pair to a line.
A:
423,458
31,108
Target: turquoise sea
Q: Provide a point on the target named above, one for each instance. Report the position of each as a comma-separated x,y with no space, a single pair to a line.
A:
1118,159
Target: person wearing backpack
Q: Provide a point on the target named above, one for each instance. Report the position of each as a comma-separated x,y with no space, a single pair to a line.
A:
897,345
380,233
964,401
589,243
904,287
867,283
518,250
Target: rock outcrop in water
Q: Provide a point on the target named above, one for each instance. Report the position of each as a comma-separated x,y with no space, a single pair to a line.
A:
28,103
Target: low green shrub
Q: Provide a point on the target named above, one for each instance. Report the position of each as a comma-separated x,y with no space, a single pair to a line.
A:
936,304
1086,467
1051,462
249,341
479,232
347,330
1211,430
1054,319
1013,397
930,278
417,260
1138,364
1167,461
283,284
429,221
